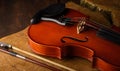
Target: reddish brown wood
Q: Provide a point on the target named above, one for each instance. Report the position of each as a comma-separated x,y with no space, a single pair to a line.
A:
102,53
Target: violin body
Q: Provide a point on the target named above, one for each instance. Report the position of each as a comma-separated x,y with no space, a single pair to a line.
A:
51,39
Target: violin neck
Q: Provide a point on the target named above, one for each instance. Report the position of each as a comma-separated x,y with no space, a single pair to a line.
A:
97,26
105,32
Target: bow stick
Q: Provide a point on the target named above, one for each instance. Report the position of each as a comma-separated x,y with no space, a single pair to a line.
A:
7,49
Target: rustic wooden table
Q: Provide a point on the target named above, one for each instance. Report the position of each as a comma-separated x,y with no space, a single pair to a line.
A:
10,63
19,39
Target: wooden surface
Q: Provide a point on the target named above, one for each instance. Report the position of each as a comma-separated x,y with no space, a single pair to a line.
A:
20,40
112,7
15,16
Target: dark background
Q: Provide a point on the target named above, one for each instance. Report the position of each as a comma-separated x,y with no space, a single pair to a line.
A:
16,14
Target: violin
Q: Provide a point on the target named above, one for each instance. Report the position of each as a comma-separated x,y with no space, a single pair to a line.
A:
49,38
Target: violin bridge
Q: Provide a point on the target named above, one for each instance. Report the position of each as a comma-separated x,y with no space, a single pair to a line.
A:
81,25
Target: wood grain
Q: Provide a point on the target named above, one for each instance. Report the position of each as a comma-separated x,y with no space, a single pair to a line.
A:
20,40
